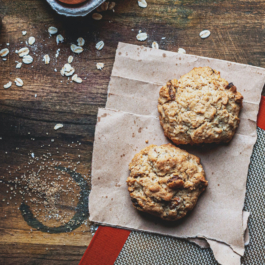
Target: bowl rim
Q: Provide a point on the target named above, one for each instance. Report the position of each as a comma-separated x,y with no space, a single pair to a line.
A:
80,10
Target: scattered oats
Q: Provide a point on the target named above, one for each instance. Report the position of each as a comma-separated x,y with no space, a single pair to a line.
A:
27,59
23,51
155,45
31,40
52,140
58,126
18,82
4,59
46,59
181,50
70,59
142,3
8,85
59,38
7,44
141,36
55,70
76,49
100,66
4,52
32,155
35,95
112,5
52,30
76,79
163,38
67,70
80,41
24,32
205,34
18,66
100,45
97,16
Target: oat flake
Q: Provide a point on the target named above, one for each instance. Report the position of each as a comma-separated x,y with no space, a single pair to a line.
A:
52,30
205,34
142,36
27,59
97,16
62,71
59,38
23,51
31,40
18,66
77,79
4,52
58,126
67,70
18,82
112,5
76,49
103,7
181,51
155,45
24,32
67,67
100,66
100,45
8,85
70,59
142,3
46,59
80,41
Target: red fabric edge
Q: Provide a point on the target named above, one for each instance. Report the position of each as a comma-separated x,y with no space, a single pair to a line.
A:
105,246
107,242
261,115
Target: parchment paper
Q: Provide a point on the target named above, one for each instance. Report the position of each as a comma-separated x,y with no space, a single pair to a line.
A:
137,76
202,243
222,252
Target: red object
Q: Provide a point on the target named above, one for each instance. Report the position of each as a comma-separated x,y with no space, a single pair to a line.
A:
105,246
107,243
72,2
261,115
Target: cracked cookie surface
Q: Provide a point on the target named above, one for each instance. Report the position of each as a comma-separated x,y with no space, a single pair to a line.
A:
165,181
200,107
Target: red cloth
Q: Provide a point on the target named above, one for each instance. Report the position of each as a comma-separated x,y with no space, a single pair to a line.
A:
261,115
107,242
105,246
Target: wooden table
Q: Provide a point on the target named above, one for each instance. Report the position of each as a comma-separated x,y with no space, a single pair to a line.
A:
28,114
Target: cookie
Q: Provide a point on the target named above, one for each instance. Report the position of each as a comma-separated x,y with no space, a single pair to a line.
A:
200,107
165,181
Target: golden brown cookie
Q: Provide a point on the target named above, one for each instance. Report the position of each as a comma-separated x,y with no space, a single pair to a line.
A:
165,181
200,107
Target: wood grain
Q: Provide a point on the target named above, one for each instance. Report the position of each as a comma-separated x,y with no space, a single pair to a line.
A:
28,114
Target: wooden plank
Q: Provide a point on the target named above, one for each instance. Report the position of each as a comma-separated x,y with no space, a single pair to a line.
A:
28,114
